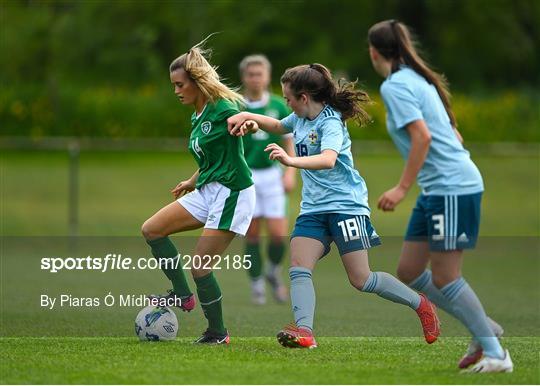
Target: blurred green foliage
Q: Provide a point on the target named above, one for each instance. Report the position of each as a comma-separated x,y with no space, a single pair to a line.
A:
99,68
152,111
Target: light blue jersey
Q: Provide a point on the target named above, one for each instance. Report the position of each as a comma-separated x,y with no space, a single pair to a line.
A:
448,168
337,190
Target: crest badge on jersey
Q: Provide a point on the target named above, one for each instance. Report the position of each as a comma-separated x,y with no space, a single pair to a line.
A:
206,127
313,137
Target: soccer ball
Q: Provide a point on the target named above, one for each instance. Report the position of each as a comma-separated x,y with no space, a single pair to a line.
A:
156,323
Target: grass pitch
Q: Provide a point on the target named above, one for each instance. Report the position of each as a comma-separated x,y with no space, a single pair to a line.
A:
253,361
362,338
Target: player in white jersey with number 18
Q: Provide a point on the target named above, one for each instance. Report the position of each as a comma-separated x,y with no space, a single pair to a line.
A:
334,197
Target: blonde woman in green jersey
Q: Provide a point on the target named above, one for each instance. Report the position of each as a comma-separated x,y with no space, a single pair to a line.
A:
220,195
272,182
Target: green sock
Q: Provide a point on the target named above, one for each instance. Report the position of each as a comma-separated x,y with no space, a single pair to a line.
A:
255,270
163,249
210,298
276,252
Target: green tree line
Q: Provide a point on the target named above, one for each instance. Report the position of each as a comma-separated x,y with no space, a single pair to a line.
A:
93,67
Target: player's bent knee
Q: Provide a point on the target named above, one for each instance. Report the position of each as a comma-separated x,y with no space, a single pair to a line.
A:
359,281
150,231
358,284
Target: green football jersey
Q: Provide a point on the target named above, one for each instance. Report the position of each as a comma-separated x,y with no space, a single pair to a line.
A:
254,144
220,156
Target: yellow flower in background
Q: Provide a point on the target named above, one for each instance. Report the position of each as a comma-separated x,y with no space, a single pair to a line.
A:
18,109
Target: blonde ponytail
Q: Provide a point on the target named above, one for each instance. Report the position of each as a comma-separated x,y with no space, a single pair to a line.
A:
205,76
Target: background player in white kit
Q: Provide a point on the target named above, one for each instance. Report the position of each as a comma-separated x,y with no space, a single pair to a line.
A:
272,181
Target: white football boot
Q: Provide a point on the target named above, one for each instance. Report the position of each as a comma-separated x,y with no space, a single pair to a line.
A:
258,291
474,351
493,365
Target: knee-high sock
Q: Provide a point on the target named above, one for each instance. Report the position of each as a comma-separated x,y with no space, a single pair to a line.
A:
275,252
424,284
210,299
302,296
468,309
390,288
253,250
164,251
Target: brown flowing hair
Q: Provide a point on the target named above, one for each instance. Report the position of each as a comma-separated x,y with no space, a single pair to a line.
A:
393,40
316,81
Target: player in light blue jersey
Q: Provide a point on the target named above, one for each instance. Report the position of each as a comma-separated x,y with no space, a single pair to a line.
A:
447,214
334,204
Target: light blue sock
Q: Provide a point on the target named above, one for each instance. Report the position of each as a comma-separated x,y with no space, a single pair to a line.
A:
469,310
390,288
424,284
302,296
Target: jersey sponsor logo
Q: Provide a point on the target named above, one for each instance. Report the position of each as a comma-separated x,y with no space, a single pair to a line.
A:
313,137
206,127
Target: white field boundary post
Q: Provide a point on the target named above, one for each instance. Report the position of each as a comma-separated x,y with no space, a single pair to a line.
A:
74,150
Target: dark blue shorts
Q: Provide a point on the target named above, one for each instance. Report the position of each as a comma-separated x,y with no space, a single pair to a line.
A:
448,223
349,232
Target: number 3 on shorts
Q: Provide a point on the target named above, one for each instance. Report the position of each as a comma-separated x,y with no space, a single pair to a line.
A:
438,225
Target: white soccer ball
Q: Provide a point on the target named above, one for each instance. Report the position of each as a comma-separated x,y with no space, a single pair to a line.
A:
156,323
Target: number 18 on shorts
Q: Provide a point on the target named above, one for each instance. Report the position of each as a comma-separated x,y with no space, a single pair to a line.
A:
349,232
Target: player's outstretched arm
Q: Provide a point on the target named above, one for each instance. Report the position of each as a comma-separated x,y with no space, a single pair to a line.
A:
325,160
235,124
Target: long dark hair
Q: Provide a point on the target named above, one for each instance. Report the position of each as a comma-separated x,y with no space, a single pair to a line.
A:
392,39
316,81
